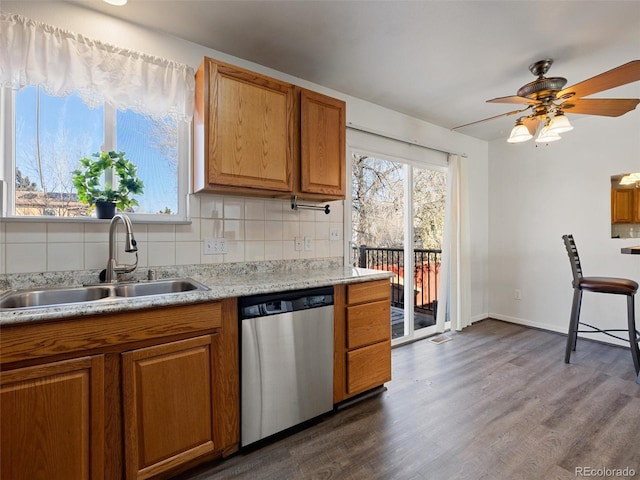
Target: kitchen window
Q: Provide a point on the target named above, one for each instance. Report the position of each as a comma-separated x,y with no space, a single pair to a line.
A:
51,134
76,97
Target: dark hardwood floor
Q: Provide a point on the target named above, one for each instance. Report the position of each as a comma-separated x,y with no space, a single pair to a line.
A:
496,402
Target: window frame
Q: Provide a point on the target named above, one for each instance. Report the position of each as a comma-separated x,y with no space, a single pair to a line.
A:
8,170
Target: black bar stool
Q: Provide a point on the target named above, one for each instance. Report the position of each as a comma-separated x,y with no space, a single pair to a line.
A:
615,286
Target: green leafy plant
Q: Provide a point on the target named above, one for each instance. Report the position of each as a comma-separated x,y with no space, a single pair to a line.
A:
88,180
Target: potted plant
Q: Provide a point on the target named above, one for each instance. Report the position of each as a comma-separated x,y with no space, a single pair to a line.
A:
92,191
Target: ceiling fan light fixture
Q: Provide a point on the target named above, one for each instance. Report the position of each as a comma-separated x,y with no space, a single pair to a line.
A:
547,135
519,134
560,124
117,3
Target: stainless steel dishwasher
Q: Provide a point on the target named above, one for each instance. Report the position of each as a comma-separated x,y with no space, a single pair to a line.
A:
286,360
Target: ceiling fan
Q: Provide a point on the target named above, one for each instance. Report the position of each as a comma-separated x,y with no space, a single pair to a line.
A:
547,101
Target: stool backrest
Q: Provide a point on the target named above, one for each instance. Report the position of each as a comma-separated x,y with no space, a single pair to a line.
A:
574,259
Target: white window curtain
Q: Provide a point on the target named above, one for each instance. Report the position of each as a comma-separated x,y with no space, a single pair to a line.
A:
455,283
62,62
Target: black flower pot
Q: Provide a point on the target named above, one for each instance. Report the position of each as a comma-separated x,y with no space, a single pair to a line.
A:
105,209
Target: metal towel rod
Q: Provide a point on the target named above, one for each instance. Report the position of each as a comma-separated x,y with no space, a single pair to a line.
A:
296,206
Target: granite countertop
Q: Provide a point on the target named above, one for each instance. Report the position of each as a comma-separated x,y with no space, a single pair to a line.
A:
223,283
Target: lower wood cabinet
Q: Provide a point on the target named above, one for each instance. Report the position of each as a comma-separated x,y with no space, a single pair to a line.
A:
52,418
362,338
167,407
134,395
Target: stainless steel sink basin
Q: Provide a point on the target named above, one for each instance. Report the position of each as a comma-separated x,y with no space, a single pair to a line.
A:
46,297
41,297
158,287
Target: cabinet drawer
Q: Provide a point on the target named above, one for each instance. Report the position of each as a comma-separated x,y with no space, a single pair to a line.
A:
368,291
368,323
368,367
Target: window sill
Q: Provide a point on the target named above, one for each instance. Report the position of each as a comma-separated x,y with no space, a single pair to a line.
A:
140,219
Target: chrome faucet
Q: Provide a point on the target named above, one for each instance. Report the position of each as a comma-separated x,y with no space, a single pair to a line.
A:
113,269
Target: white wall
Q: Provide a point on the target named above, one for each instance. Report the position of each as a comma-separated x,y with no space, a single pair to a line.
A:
359,113
537,194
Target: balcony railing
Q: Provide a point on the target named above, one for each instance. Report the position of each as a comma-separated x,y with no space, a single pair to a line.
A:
426,274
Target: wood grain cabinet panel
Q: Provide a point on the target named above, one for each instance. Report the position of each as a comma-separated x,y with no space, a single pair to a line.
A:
368,367
244,132
368,291
623,206
363,327
256,135
362,338
52,421
136,394
322,140
168,412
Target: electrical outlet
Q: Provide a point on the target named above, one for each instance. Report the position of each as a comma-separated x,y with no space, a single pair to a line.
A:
308,244
215,246
334,234
517,294
298,244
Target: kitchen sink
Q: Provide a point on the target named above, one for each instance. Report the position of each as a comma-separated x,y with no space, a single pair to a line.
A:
47,297
158,287
41,297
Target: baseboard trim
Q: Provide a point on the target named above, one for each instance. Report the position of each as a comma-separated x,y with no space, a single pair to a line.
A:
528,323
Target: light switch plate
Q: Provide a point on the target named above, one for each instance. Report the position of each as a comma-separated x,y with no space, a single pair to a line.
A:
299,244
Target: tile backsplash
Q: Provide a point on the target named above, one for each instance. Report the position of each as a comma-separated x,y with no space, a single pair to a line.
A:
255,229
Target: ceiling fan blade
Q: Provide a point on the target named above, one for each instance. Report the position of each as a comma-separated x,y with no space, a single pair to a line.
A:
627,73
607,107
492,118
514,99
532,124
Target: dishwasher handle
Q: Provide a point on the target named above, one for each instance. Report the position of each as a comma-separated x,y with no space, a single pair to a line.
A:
275,307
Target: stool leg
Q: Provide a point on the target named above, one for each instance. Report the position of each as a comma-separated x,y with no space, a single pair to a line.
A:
572,336
633,339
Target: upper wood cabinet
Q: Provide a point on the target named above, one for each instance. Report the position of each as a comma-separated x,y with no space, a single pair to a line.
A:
625,205
322,145
244,134
255,135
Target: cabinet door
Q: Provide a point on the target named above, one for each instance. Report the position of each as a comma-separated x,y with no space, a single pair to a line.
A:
622,205
322,137
52,421
167,405
250,130
636,206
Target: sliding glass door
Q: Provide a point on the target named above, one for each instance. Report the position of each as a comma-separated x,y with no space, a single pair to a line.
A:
397,222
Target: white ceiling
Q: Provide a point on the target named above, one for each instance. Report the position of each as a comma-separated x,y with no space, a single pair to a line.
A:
435,60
